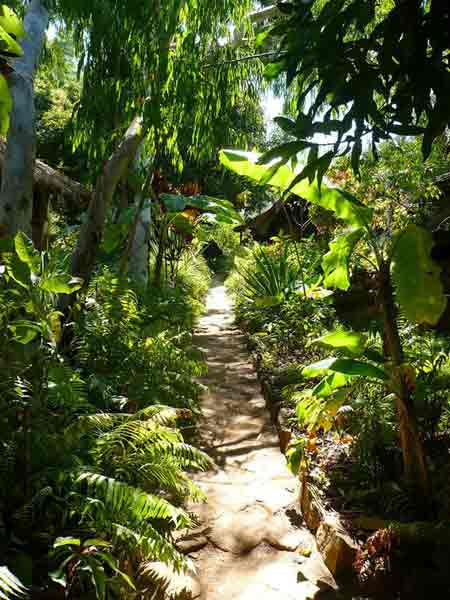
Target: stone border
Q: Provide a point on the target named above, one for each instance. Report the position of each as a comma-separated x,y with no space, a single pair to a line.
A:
337,547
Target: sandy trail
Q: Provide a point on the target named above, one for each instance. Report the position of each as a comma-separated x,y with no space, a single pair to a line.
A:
249,546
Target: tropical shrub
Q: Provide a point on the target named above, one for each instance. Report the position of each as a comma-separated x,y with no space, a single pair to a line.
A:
419,293
102,463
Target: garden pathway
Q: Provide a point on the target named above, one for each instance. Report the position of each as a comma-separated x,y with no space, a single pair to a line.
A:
249,545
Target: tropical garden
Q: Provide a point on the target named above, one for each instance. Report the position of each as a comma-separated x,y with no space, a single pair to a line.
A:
137,164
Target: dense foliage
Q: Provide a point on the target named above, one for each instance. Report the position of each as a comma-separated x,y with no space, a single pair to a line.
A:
107,250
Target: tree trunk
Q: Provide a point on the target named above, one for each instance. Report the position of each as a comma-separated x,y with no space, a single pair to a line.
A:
415,467
139,242
159,260
16,195
83,259
39,220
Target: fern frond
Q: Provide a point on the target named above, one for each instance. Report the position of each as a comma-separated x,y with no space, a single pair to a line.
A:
151,544
120,497
10,586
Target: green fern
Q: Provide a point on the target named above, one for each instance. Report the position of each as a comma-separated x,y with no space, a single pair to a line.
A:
10,587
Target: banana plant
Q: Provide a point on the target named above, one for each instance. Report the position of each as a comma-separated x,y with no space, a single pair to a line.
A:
33,280
401,262
37,281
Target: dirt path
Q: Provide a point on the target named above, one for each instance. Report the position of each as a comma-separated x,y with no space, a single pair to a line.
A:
249,546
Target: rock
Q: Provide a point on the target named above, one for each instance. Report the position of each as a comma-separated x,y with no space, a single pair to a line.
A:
282,535
338,549
308,506
308,591
315,571
242,531
188,546
190,540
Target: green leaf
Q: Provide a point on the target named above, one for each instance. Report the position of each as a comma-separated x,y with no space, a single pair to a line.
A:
335,263
26,252
25,332
9,44
61,284
318,368
112,563
284,151
268,301
347,340
417,277
5,105
112,238
244,163
174,202
97,542
59,576
330,383
19,271
66,541
343,204
358,368
272,70
347,366
11,22
261,37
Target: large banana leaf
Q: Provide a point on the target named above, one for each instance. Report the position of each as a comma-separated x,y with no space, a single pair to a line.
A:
417,277
336,261
350,341
343,204
223,210
346,366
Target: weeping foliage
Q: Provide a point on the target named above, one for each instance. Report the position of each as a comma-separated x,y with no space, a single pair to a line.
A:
160,58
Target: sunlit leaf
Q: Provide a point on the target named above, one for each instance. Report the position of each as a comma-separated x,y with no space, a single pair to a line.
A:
347,366
346,340
343,204
417,277
336,262
11,22
61,284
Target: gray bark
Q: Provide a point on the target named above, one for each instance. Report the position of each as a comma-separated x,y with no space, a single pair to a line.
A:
16,195
83,259
138,265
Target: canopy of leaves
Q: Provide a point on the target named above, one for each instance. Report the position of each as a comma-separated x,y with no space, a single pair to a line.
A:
168,59
365,69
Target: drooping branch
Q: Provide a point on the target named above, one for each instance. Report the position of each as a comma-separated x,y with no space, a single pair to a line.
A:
16,196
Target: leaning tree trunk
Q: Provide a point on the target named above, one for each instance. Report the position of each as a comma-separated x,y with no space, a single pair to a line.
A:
414,462
83,259
139,240
16,195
